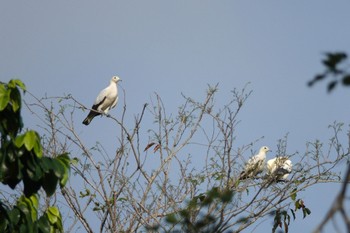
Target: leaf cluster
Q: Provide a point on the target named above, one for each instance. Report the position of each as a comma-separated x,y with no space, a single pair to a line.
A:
22,160
335,64
193,219
23,217
282,217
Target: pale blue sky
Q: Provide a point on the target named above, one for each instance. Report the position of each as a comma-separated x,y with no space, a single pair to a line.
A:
174,47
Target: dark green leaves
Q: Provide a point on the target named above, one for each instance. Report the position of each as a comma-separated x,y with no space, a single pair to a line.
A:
346,80
10,95
23,217
64,161
336,69
17,83
54,216
10,105
282,220
299,204
195,217
293,194
31,141
282,217
56,171
4,97
331,85
51,221
22,159
333,60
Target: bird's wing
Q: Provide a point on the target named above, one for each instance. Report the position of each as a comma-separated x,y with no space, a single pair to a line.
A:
287,165
255,164
101,96
253,159
107,99
114,103
271,166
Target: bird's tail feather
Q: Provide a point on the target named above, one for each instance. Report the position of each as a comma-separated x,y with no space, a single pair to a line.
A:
89,118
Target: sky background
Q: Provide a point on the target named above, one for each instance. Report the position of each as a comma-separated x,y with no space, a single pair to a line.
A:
174,47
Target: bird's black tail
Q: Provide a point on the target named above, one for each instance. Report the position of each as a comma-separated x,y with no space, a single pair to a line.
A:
91,116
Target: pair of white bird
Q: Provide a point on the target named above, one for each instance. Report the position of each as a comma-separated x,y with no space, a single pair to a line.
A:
279,167
105,101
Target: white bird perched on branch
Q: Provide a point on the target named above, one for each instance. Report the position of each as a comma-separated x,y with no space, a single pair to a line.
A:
106,100
255,165
279,168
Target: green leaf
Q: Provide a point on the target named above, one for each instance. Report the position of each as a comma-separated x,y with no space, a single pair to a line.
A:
87,193
50,182
30,187
333,59
4,97
34,203
308,211
122,199
16,82
11,171
317,78
74,161
226,196
64,158
153,228
171,218
38,149
19,141
297,205
346,80
243,220
33,168
30,140
293,194
46,164
58,168
65,162
293,213
53,214
15,99
14,216
29,207
44,224
331,85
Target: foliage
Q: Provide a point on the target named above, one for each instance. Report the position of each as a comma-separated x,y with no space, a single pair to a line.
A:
336,68
22,160
195,217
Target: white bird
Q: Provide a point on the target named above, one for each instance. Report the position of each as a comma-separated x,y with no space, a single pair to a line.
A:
255,165
280,167
106,100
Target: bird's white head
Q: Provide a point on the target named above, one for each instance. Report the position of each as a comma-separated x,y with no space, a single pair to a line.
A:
115,79
264,149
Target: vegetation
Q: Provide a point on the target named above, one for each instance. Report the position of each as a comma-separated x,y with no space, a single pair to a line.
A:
171,172
337,69
178,172
23,163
